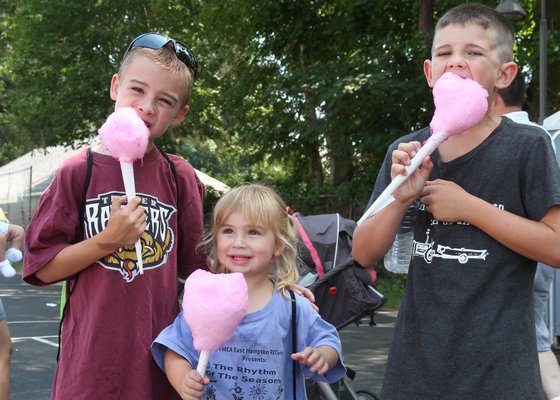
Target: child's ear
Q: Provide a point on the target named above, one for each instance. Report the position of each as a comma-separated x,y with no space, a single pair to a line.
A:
428,73
180,115
508,71
114,88
279,250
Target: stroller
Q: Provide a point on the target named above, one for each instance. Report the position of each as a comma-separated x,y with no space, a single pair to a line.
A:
343,289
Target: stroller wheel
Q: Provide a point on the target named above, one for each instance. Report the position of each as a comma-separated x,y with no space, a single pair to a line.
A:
365,395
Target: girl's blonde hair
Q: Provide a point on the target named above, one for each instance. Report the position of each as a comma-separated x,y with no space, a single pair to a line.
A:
262,206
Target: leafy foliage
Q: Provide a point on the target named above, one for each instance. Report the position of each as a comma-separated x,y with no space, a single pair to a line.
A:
305,96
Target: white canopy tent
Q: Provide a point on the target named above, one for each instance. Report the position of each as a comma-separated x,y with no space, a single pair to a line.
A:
23,180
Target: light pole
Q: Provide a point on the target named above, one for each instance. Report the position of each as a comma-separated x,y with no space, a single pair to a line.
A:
511,9
515,11
543,64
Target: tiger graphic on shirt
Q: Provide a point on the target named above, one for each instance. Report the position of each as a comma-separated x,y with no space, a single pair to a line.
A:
157,240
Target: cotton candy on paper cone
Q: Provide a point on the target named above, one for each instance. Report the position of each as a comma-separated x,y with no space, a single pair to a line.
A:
461,103
213,307
125,136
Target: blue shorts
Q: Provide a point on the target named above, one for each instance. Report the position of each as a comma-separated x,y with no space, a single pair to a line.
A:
541,295
2,312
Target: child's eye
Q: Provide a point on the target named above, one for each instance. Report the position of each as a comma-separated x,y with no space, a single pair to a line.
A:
137,89
166,101
474,53
227,231
254,232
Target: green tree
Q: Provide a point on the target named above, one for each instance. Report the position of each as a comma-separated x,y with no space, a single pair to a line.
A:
305,95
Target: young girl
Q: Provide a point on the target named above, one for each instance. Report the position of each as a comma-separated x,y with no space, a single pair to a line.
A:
253,234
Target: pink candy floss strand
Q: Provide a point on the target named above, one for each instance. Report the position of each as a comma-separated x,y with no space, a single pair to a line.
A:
125,135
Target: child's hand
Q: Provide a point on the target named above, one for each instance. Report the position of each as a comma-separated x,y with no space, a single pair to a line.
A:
413,186
445,200
313,358
305,292
127,224
192,386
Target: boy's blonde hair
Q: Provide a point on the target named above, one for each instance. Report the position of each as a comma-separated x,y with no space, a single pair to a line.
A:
165,58
262,206
488,19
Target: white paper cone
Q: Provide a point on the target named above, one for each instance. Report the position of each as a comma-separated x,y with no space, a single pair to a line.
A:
386,197
130,189
203,362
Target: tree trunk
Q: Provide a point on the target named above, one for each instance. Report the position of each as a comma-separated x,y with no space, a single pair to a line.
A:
311,143
425,18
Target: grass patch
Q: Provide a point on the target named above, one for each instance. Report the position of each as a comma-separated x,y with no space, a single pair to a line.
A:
18,266
391,285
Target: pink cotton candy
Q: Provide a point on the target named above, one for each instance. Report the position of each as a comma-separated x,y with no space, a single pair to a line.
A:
461,103
213,307
125,135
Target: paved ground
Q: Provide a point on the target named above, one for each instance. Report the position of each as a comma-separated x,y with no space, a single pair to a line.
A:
32,315
365,349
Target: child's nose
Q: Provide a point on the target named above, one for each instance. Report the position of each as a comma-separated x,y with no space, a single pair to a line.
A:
456,61
146,106
239,241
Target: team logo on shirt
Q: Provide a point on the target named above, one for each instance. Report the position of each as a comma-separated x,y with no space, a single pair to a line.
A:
157,240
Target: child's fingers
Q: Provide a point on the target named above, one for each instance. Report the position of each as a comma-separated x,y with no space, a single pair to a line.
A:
304,356
313,359
117,203
405,152
305,292
427,166
126,224
193,385
397,169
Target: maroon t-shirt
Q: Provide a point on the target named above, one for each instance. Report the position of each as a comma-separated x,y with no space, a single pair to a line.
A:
115,313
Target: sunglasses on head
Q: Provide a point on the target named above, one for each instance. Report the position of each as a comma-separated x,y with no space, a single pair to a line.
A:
156,41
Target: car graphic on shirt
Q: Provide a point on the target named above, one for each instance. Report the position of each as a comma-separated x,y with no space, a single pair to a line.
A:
463,255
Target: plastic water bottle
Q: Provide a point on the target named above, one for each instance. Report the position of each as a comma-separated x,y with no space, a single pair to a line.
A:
398,257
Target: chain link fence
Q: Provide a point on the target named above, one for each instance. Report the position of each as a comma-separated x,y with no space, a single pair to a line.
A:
16,198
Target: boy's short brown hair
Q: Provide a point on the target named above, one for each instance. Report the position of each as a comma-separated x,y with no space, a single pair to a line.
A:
165,58
488,19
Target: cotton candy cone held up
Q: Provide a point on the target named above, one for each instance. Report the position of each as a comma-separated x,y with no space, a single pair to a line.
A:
460,103
125,136
213,307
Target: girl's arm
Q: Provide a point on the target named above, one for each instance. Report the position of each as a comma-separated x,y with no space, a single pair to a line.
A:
320,359
124,226
185,380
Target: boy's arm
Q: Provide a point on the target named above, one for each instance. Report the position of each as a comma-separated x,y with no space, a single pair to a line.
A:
374,237
536,240
124,226
186,381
